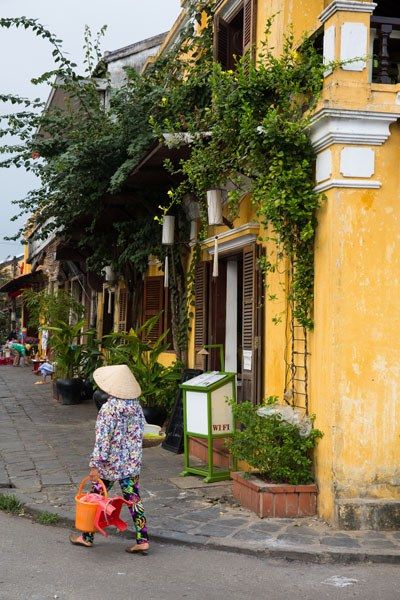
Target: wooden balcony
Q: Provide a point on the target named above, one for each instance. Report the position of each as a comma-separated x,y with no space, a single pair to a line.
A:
385,49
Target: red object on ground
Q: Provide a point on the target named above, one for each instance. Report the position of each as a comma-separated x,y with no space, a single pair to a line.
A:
6,360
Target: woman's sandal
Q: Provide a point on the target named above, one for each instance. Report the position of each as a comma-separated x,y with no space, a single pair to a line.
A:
138,549
77,540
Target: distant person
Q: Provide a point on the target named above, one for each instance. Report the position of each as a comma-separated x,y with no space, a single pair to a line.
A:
12,335
19,353
45,370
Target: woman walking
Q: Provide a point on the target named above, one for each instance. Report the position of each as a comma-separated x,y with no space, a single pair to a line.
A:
117,453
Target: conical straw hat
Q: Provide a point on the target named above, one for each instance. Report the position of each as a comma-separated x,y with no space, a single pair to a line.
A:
117,381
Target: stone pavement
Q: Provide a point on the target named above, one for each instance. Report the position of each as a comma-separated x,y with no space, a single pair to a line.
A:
44,450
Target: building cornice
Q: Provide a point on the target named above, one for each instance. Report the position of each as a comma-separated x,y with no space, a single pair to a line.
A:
233,239
348,6
348,183
335,126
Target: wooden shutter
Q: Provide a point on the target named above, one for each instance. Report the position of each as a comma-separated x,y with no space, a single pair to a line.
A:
201,312
249,25
153,303
251,326
221,41
122,309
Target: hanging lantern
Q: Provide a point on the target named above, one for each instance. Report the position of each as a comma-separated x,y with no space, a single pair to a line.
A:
13,316
109,274
168,230
193,230
214,205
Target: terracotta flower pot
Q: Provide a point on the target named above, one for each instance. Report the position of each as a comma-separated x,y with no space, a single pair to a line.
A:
273,499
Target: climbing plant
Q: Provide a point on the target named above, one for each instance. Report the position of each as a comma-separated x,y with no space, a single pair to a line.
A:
257,139
247,127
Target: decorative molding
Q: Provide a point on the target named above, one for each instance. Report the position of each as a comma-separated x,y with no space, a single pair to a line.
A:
229,9
335,126
323,167
329,48
348,183
357,162
235,244
353,44
347,6
248,233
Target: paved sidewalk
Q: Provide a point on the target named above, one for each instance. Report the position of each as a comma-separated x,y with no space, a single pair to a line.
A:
44,450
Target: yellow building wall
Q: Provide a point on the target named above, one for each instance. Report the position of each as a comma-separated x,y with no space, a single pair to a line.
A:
355,373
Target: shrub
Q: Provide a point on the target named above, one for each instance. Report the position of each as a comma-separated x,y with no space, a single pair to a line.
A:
272,446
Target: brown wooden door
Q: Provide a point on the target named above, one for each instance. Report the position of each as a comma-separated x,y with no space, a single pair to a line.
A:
249,25
153,304
251,326
201,312
122,309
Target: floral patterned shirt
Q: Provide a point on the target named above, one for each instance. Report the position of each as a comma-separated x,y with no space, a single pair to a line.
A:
119,431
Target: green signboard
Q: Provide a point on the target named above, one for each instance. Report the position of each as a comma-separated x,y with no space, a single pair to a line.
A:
208,415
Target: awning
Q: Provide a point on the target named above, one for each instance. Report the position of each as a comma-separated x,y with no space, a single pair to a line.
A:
22,282
151,171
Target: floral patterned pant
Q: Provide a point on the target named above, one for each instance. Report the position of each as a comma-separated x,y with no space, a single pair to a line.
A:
130,491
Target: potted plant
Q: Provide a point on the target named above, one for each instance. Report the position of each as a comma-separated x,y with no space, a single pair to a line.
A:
68,359
92,358
159,383
276,442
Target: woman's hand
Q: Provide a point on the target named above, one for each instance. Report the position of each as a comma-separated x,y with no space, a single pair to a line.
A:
94,474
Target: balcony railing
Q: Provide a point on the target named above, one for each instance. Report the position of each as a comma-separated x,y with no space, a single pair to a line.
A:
385,50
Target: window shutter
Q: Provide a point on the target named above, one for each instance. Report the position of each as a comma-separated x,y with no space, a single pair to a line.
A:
252,325
201,312
249,25
122,309
221,41
153,303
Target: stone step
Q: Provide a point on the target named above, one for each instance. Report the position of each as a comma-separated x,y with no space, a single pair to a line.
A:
368,513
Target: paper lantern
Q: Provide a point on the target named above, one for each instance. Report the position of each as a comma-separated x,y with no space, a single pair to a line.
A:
168,230
109,273
214,206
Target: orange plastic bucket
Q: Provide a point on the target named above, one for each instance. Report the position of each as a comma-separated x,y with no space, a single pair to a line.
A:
85,512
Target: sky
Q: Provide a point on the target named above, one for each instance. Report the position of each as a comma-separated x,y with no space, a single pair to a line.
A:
23,56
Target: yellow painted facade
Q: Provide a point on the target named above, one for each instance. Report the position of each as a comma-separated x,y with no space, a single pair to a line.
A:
354,370
354,365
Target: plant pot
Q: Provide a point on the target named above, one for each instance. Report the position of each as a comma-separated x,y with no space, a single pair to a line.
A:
155,415
274,500
56,396
87,390
100,398
70,390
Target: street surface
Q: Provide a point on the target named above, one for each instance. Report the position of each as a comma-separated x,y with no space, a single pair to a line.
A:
37,562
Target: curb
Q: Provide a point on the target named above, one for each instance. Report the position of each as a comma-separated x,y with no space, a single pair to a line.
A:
291,554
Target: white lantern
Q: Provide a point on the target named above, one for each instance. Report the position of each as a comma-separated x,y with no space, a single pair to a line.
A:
168,230
214,205
193,230
13,316
109,273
